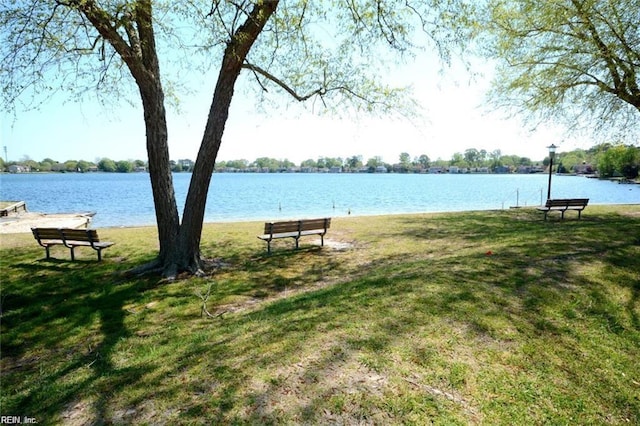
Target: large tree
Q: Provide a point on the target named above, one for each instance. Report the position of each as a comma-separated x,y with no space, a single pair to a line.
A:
326,52
573,61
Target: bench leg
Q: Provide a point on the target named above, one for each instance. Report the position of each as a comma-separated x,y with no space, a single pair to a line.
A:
579,214
322,240
269,247
46,249
99,255
73,257
297,242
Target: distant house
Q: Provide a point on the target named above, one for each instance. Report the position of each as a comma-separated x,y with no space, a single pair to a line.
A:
381,169
335,169
502,169
186,164
479,170
436,169
17,168
529,169
584,169
454,169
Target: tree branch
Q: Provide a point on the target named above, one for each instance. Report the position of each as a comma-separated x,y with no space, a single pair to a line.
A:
100,19
256,69
606,53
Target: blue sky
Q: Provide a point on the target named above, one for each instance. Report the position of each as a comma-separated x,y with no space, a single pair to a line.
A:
454,119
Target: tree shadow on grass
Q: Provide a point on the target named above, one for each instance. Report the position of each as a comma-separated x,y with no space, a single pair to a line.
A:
59,332
64,324
254,273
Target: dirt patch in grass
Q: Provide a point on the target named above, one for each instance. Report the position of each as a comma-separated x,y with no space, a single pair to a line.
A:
297,387
338,245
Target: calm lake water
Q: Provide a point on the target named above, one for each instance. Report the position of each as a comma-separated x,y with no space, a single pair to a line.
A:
125,199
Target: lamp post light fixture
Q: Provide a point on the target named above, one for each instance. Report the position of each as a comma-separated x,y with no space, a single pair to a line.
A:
552,154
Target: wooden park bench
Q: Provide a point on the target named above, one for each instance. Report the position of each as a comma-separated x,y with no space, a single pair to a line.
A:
564,204
70,238
295,229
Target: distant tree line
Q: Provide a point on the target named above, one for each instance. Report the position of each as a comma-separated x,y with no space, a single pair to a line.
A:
77,166
609,160
82,166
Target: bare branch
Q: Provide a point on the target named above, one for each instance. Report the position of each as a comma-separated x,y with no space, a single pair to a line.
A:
256,69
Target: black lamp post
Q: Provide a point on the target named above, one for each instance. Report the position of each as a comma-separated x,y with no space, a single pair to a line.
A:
552,154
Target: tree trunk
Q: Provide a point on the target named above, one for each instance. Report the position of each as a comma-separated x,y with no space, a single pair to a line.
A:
164,199
186,251
193,217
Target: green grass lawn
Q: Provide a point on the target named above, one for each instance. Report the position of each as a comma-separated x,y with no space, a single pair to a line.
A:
493,317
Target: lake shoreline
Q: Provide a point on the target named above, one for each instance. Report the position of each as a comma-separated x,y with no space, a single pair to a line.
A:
22,223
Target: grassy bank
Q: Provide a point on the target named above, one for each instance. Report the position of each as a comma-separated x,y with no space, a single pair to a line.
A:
461,318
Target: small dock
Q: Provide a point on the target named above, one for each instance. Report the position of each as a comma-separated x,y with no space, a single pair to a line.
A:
12,207
14,218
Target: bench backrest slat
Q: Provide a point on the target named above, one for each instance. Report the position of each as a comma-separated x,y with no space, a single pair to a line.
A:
47,233
296,225
81,234
567,202
279,227
311,224
90,235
